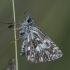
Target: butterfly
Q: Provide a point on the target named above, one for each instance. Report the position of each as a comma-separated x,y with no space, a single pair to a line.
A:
37,46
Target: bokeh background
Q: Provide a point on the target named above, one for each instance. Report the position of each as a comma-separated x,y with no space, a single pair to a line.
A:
51,16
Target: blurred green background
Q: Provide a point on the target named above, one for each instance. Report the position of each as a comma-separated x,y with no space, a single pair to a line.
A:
51,16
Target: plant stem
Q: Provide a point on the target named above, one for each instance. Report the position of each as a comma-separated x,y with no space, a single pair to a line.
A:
16,57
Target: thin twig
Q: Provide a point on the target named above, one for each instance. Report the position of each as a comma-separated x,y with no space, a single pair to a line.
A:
15,35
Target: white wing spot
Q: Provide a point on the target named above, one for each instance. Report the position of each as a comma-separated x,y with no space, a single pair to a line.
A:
42,46
29,48
37,48
41,59
28,57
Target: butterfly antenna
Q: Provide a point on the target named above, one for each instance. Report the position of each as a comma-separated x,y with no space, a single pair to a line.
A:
10,27
5,23
3,28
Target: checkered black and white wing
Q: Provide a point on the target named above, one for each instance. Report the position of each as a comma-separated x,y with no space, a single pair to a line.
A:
40,48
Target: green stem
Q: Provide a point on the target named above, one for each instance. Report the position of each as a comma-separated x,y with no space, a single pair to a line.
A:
15,35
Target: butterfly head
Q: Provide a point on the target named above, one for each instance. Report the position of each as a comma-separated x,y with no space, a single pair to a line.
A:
29,20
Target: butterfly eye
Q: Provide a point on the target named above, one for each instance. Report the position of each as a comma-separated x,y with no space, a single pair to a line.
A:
29,20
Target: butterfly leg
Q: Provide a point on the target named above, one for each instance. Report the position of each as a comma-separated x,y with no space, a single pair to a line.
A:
14,41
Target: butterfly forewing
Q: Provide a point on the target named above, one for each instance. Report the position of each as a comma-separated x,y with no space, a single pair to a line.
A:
40,48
